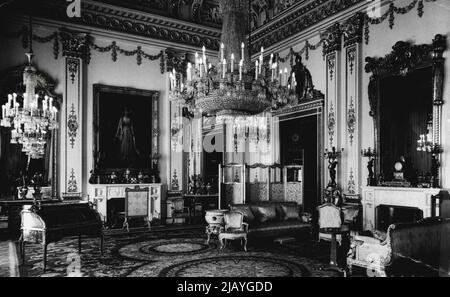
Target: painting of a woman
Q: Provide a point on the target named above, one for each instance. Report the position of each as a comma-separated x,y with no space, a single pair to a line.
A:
127,151
123,125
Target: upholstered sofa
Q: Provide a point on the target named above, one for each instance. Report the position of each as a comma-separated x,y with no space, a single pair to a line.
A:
407,249
274,219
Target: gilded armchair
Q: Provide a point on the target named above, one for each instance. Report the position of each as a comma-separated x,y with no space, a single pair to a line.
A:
424,244
330,224
234,228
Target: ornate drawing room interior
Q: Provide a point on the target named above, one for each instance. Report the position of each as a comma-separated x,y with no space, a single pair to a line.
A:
173,138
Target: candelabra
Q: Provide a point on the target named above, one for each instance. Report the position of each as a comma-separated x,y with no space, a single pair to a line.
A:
332,157
425,143
371,154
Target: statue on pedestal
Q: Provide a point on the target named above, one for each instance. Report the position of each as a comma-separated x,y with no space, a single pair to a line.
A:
303,80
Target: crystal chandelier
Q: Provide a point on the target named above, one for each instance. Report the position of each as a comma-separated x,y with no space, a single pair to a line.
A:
235,90
31,120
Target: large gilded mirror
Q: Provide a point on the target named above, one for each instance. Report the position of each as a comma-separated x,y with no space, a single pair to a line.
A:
14,163
405,94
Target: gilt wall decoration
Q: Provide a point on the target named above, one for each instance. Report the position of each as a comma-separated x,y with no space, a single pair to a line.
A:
332,39
72,125
351,52
351,183
390,13
75,44
73,69
351,121
331,123
72,183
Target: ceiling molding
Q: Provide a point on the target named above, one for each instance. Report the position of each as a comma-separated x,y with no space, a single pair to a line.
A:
297,20
108,17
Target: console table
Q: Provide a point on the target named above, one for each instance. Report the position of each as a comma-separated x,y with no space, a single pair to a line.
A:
101,193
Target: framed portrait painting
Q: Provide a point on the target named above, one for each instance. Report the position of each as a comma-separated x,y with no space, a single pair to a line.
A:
125,129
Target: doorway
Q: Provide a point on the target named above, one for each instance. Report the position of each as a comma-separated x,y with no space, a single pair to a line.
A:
299,145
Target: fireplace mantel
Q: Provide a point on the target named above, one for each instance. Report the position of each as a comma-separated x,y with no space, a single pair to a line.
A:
398,196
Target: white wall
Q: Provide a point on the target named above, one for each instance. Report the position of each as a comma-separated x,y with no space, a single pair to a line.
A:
101,70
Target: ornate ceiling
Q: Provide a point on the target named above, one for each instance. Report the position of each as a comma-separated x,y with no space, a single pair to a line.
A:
205,12
190,22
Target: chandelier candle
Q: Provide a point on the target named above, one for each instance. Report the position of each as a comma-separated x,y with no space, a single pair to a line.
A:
242,51
201,67
222,48
224,68
188,72
285,76
232,62
241,64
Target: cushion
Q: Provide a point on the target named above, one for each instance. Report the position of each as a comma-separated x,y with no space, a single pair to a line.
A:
290,212
264,213
246,210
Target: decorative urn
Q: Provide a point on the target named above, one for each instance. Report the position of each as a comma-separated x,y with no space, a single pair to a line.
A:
215,217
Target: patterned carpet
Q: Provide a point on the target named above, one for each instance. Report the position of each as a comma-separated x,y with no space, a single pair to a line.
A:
176,254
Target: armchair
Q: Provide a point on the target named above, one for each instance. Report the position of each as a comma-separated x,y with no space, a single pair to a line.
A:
423,243
234,228
330,223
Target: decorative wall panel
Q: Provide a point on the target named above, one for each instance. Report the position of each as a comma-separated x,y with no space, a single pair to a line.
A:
352,96
332,105
72,127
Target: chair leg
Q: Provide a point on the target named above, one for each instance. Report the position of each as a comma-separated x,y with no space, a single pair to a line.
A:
223,243
125,225
148,224
208,235
22,250
101,244
333,251
45,255
245,243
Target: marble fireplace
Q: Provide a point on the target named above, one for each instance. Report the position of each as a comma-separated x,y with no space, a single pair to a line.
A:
391,199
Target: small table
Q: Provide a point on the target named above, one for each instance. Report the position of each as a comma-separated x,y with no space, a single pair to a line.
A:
232,236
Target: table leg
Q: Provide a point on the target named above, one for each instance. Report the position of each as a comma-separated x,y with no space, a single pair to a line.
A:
208,234
223,243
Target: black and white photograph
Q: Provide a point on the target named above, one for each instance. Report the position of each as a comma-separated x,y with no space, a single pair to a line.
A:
225,147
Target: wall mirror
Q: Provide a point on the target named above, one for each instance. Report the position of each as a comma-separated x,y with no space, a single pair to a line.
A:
405,94
14,163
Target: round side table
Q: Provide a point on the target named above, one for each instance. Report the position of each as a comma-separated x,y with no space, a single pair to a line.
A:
215,220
